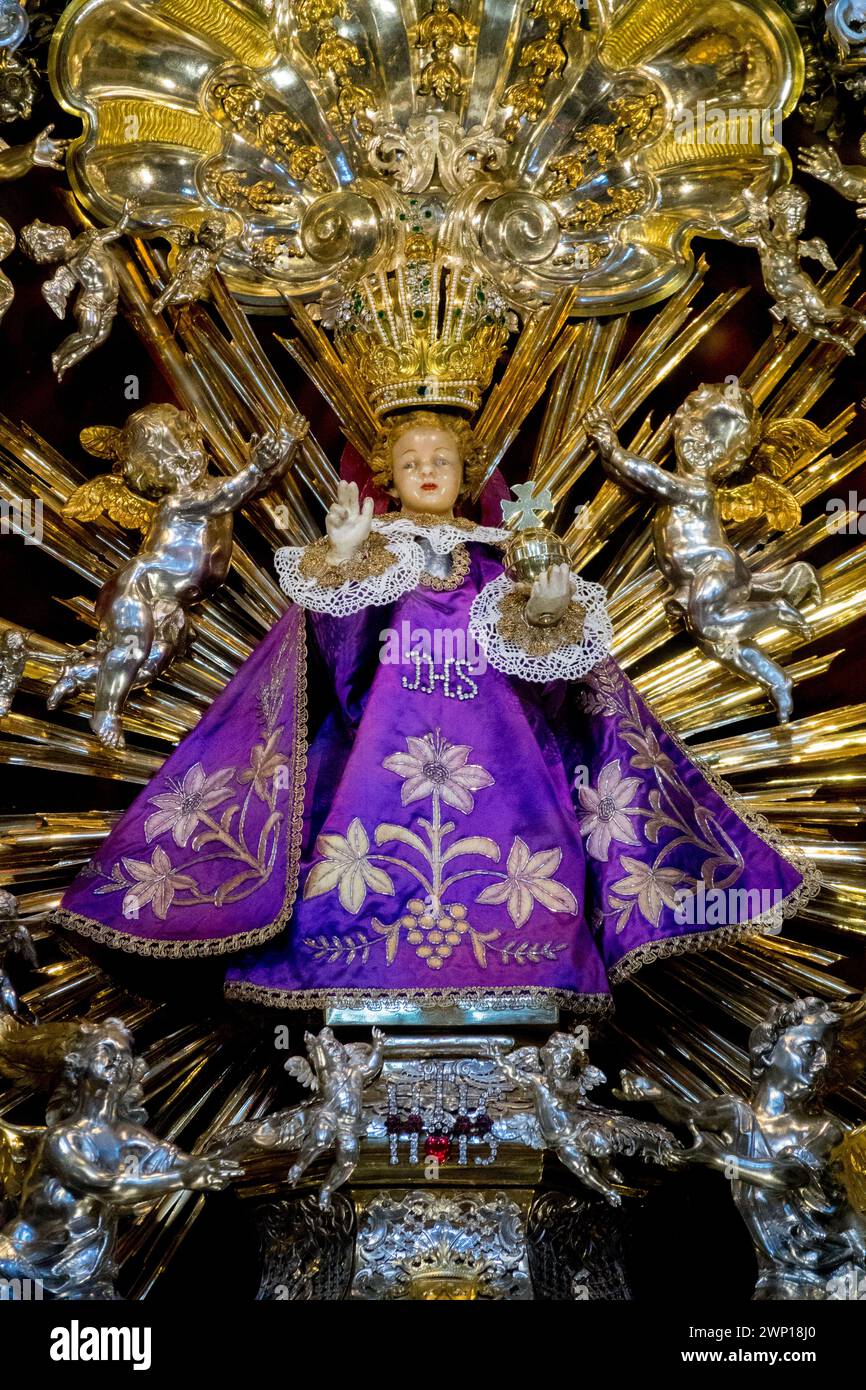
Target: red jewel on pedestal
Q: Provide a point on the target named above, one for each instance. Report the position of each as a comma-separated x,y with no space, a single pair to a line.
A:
437,1146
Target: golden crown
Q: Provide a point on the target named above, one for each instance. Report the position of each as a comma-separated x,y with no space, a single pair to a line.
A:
428,332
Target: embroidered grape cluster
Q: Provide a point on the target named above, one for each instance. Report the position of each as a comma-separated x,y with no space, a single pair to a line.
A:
433,935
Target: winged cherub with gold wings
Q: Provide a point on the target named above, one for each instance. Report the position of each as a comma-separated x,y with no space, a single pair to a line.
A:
161,486
724,605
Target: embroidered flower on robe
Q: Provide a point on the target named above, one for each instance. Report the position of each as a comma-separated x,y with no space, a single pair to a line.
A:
654,888
431,765
181,809
607,811
265,763
155,883
530,880
648,751
344,863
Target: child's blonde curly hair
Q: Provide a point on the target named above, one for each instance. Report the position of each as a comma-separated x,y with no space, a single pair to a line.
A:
473,454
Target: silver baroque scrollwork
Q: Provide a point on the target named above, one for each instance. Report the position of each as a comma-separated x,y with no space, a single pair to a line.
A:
429,1246
435,146
296,101
341,227
520,227
306,1253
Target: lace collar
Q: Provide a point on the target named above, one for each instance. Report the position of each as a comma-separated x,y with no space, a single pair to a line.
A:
442,534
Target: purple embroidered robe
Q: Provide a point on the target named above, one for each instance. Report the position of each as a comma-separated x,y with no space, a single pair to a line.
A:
429,829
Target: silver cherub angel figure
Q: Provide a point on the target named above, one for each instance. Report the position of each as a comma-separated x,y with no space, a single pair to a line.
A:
774,229
18,86
93,1161
13,659
337,1073
585,1137
160,486
717,433
85,263
779,1150
198,254
15,161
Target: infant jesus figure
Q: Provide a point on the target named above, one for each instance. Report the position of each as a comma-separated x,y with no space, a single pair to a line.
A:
462,800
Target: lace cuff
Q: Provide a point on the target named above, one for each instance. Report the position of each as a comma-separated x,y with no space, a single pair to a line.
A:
567,651
381,572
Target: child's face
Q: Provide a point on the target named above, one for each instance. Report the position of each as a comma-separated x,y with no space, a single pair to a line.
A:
716,440
428,469
794,219
53,244
172,451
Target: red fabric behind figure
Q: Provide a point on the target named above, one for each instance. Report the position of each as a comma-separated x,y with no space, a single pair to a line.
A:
353,469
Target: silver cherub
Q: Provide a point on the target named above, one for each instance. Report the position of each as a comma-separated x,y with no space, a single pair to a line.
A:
160,486
16,161
13,659
774,228
87,264
337,1073
73,1178
779,1151
197,258
18,89
717,432
585,1137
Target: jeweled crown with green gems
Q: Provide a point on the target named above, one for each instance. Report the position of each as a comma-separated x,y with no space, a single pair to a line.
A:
428,332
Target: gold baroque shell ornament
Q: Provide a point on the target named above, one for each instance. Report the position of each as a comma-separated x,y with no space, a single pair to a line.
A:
548,145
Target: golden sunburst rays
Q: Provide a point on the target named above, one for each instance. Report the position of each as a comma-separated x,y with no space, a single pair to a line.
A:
200,1077
311,349
686,1020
